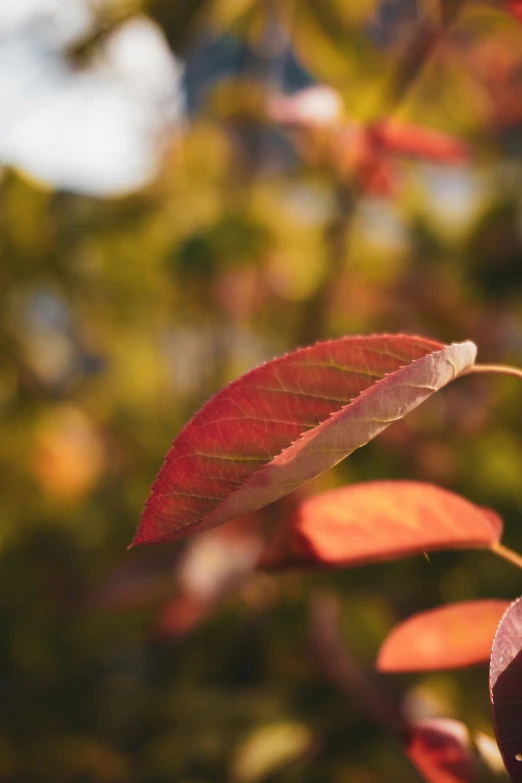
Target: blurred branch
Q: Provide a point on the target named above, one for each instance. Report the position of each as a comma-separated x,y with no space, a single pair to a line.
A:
338,665
313,324
430,11
80,52
436,19
177,18
438,748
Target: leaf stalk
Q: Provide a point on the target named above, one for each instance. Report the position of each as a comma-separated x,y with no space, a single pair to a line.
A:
507,554
499,369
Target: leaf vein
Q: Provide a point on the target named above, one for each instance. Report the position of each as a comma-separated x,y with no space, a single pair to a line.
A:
342,400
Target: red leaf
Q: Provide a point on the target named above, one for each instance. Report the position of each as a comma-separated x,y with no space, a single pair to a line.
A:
288,421
440,750
419,142
379,520
505,684
515,9
359,155
447,637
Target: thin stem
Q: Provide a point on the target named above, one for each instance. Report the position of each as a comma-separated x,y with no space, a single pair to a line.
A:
419,52
495,368
507,554
516,372
430,12
313,322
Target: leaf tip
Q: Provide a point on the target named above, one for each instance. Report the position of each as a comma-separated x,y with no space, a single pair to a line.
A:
135,541
143,534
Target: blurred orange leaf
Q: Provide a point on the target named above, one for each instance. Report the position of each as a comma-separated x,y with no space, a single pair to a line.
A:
443,638
68,457
362,153
379,520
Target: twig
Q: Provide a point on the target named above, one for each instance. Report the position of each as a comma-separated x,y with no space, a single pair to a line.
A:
343,671
312,324
499,369
508,554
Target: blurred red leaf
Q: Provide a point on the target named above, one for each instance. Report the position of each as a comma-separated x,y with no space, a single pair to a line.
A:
358,154
443,638
505,684
515,9
379,520
493,62
440,750
362,153
286,422
210,568
179,615
419,142
367,152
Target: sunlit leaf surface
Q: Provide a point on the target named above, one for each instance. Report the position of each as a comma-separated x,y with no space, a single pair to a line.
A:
288,421
447,637
379,520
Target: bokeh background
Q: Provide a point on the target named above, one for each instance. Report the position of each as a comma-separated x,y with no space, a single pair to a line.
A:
188,189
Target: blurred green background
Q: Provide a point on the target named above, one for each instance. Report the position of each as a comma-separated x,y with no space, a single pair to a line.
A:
168,220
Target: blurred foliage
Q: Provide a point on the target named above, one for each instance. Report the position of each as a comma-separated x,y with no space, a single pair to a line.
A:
120,317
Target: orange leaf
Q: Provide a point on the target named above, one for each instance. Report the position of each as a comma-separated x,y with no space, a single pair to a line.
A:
379,520
447,637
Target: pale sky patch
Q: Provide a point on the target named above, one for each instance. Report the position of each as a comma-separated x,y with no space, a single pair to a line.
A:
97,130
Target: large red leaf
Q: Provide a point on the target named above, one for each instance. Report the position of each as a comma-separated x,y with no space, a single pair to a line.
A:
288,421
440,749
379,520
447,637
505,683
